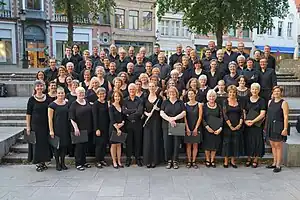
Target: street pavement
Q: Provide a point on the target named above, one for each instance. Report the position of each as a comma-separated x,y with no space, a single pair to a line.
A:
22,182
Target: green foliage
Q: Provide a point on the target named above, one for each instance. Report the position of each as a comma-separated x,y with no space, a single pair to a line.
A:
217,16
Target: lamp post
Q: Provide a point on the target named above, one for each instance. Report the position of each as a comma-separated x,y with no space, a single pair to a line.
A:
24,60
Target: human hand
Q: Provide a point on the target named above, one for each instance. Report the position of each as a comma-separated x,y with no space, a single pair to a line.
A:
284,132
52,134
209,129
77,132
195,132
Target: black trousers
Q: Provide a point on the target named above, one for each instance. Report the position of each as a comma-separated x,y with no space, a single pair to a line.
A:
100,148
91,144
80,154
60,154
171,145
134,139
266,95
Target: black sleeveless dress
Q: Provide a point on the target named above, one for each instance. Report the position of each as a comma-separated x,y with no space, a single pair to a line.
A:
275,115
192,115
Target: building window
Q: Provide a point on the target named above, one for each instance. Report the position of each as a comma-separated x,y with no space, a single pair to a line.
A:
246,33
34,4
119,18
164,27
147,21
269,31
186,32
232,32
133,19
175,28
280,28
289,29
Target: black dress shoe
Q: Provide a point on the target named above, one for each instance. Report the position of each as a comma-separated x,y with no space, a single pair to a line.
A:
104,163
153,166
128,163
225,166
115,166
277,169
271,166
233,165
139,162
120,166
149,166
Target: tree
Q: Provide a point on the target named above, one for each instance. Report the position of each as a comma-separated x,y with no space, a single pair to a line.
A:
218,16
77,10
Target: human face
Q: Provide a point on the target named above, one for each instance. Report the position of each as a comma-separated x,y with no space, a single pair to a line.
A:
60,94
156,49
99,73
118,84
161,59
241,62
254,91
228,46
148,67
86,55
202,82
130,68
267,50
70,68
117,98
68,51
152,87
80,95
193,84
277,93
171,83
39,88
179,49
263,63
131,51
208,53
102,55
231,94
61,72
101,96
172,93
113,49
193,54
52,63
249,64
139,58
95,50
221,87
95,84
122,54
139,85
75,49
143,52
191,95
220,55
241,47
41,76
211,98
52,87
242,82
87,75
188,50
74,86
106,62
123,77
179,68
232,69
213,65
197,66
88,64
112,67
132,91
144,79
257,55
211,45
155,71
174,76
69,80
185,61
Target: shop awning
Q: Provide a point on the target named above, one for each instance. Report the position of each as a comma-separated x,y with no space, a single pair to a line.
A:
274,49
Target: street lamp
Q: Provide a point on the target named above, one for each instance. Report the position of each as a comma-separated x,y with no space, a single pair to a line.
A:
24,60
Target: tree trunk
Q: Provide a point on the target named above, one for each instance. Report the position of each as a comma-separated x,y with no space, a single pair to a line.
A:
219,36
70,22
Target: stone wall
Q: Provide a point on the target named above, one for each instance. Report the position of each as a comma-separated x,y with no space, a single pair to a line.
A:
289,66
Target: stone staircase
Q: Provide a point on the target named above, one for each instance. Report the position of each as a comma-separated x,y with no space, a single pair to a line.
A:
7,76
287,77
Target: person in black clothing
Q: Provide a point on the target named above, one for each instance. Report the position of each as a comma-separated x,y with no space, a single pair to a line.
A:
176,58
111,75
154,57
133,111
241,64
229,55
222,67
123,88
52,90
99,61
118,83
221,94
70,70
40,76
203,89
142,52
267,80
130,72
91,95
121,63
207,59
95,55
231,79
212,46
152,138
241,51
257,57
88,66
211,138
194,72
193,84
61,78
87,79
164,68
83,63
113,56
101,126
117,122
58,117
277,124
139,67
68,57
102,81
76,57
270,59
254,138
106,63
173,112
80,114
52,72
131,57
179,84
233,116
148,67
213,75
193,121
251,75
37,121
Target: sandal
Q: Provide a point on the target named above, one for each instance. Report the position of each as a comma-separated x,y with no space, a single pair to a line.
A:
175,165
248,163
254,165
99,165
189,165
195,166
169,165
207,164
80,168
86,165
39,168
44,166
213,164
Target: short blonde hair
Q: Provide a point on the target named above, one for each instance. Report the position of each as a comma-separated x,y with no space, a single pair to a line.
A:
101,90
80,90
95,79
142,75
255,85
202,76
210,93
232,88
174,89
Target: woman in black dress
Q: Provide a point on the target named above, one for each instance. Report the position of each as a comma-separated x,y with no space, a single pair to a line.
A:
277,126
139,91
117,122
86,79
144,78
195,72
211,138
193,84
242,90
37,121
61,78
101,126
173,112
152,129
213,75
221,94
254,139
231,78
100,72
69,80
80,114
52,90
125,79
193,130
117,82
203,89
58,117
91,95
40,76
233,115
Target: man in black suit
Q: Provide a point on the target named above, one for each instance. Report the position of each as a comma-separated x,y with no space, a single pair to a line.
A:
176,57
271,60
229,55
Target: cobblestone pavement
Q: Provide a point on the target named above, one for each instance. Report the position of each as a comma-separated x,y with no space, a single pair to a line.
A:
22,182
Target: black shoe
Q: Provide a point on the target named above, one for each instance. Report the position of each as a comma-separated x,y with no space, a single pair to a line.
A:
39,168
64,167
99,165
128,162
58,167
104,163
207,164
254,165
233,165
153,166
169,165
225,166
86,165
271,166
248,163
80,168
149,166
120,166
213,164
139,162
116,166
277,169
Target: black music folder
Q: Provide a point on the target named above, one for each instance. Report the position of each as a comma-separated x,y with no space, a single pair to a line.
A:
251,115
30,138
82,138
54,142
118,138
214,122
178,130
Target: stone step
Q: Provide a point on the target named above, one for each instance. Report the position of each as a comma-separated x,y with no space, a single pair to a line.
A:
17,79
287,80
290,89
12,116
12,123
287,77
284,74
13,158
17,73
12,111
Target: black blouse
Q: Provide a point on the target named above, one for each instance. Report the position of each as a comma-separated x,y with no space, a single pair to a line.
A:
82,115
173,110
100,116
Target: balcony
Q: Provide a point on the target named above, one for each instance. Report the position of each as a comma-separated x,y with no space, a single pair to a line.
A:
35,14
77,19
5,14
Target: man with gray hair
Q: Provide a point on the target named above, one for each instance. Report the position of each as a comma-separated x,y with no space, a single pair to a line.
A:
121,63
164,68
71,72
222,67
176,57
133,110
113,55
130,72
241,48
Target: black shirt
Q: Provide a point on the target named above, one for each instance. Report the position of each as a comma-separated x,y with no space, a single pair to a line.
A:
50,74
76,58
252,76
100,116
231,80
267,79
172,110
113,58
131,59
165,70
175,58
223,68
133,109
212,80
110,77
271,62
82,115
230,57
95,58
121,65
138,69
206,63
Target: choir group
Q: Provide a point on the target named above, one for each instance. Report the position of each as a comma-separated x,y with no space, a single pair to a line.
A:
224,103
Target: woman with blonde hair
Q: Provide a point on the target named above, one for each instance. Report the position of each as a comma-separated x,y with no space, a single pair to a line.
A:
91,94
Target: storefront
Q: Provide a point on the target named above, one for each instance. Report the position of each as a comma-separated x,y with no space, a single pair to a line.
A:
8,43
81,36
136,45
